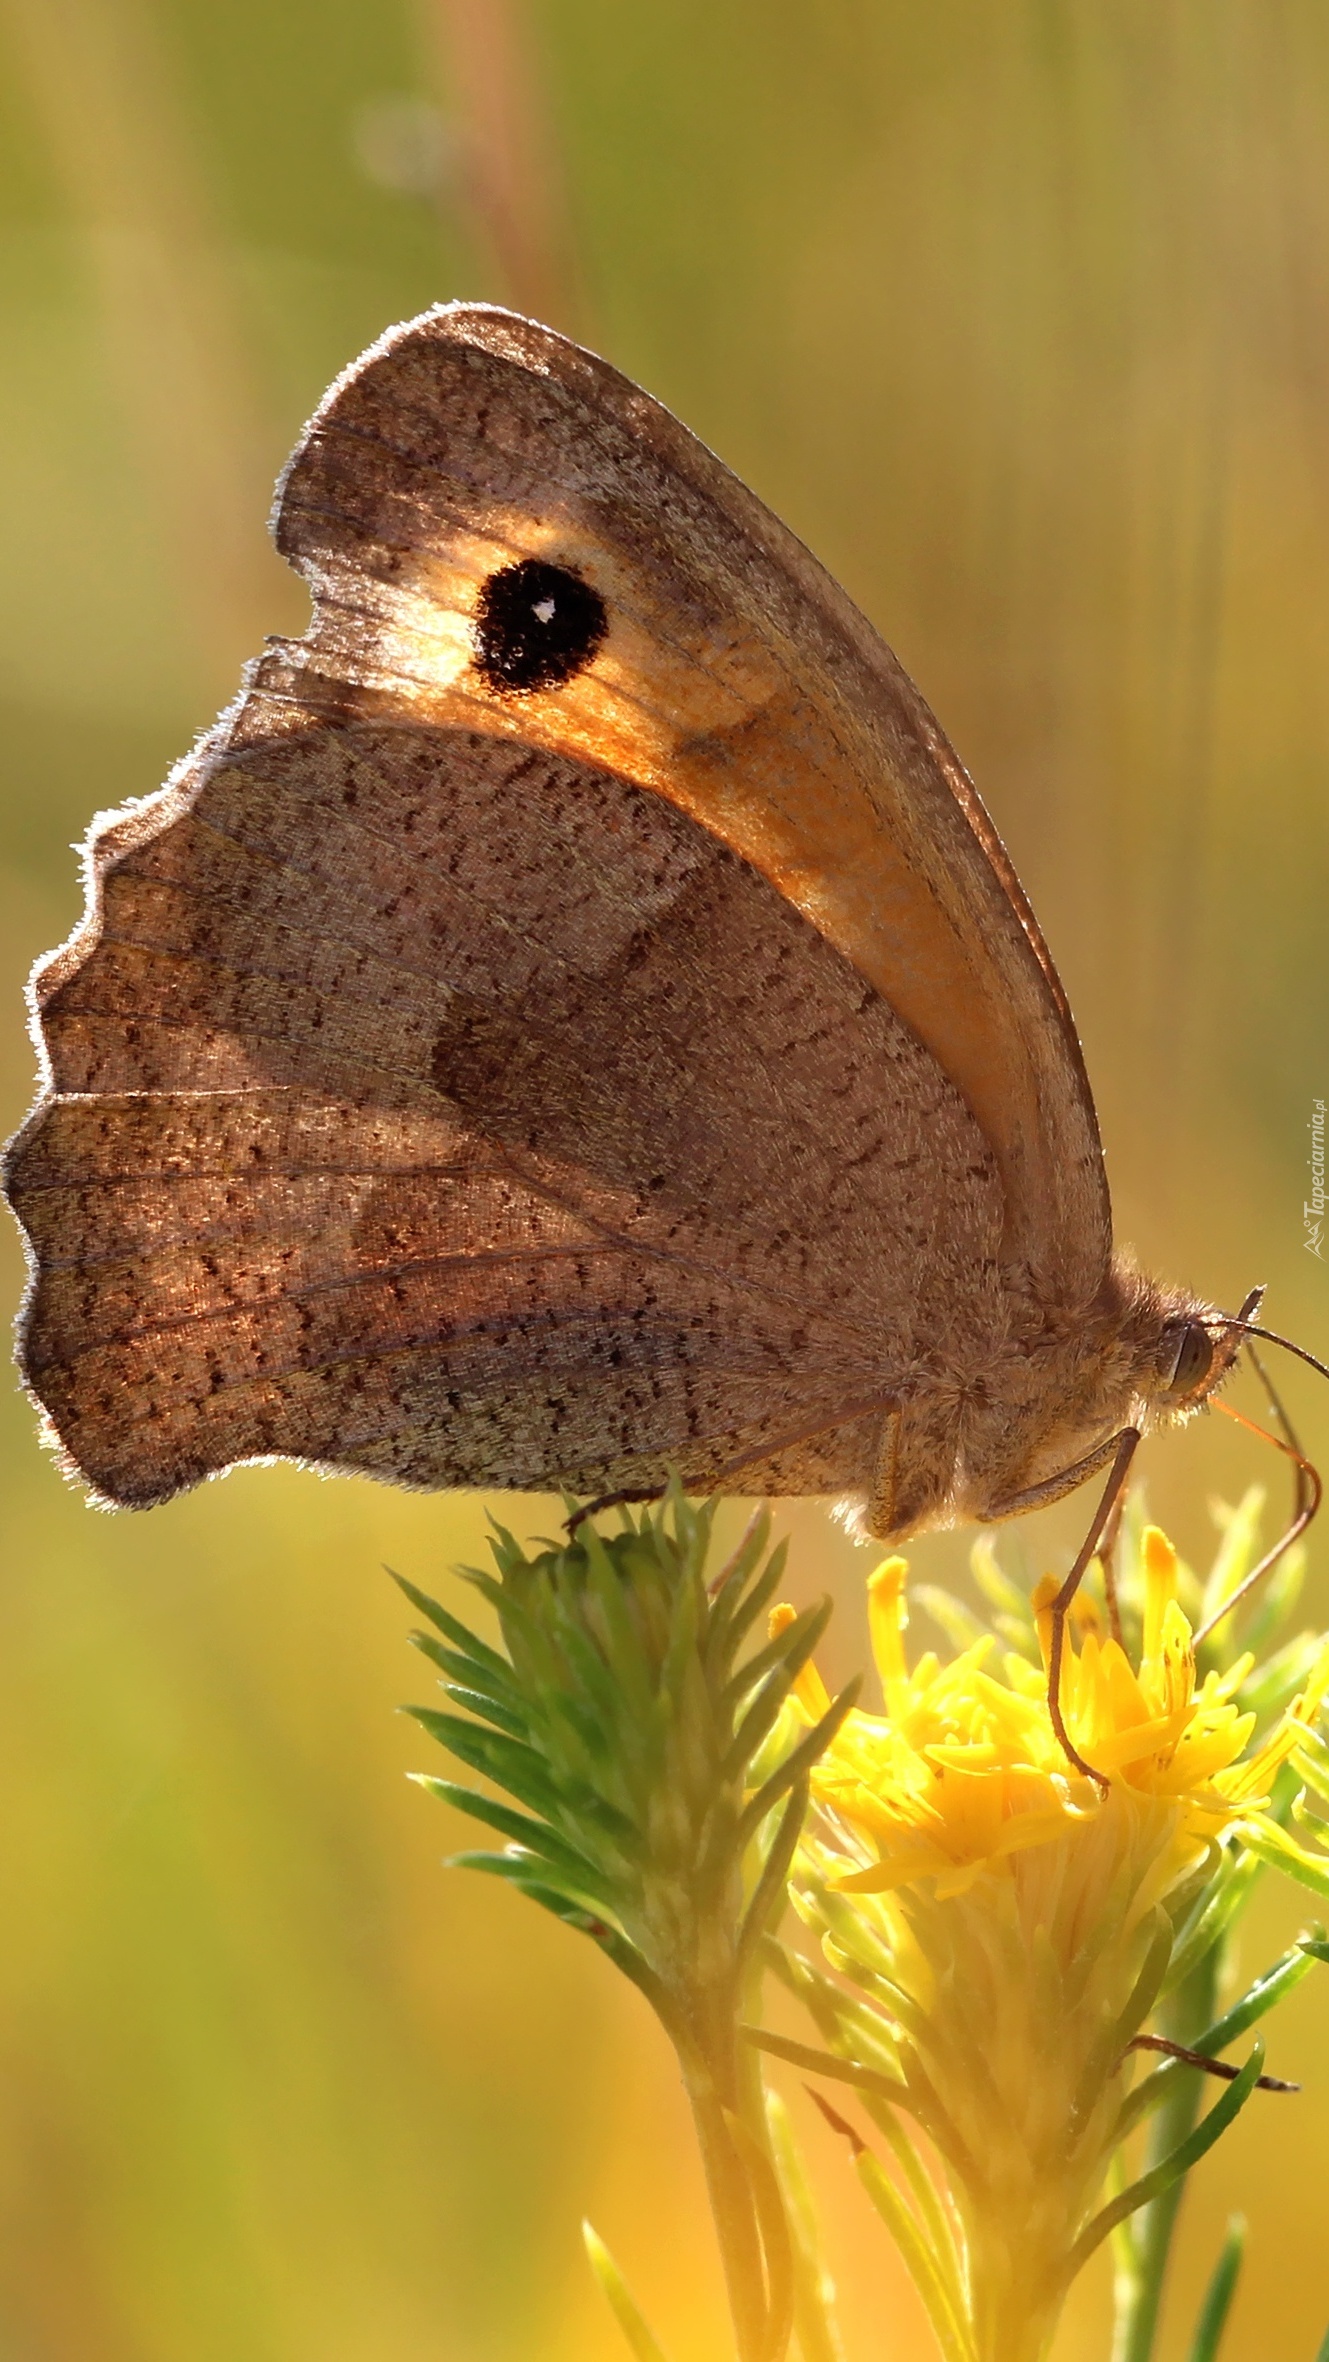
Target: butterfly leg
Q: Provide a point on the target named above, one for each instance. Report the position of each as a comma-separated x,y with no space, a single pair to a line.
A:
1112,1492
643,1492
1121,1448
1055,1488
752,1463
884,1496
911,1471
1106,1554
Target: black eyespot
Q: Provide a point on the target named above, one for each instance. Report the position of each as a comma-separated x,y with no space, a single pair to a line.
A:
536,626
1195,1359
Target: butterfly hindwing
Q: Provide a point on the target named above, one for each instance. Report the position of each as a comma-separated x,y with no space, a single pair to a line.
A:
491,1185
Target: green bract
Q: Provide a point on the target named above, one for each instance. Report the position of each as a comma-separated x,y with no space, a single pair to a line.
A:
626,1716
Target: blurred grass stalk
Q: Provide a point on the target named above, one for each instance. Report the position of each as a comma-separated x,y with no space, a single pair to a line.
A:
126,156
128,159
482,52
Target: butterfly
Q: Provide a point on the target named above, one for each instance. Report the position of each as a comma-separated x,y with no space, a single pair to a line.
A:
573,1019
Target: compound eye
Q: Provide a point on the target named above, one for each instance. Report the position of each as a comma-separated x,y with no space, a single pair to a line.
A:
1195,1359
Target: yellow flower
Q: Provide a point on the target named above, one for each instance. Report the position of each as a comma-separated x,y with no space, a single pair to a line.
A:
1010,1921
965,1771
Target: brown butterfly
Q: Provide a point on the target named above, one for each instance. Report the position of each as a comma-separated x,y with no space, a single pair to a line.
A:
573,1019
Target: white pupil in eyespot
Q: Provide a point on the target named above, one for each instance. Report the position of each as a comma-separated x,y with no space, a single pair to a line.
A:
544,610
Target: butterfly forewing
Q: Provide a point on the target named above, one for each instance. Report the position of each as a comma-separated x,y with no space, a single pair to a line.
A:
572,1019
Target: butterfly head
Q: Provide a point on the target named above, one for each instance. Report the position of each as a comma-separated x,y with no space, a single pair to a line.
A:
1195,1354
1146,1356
1197,1347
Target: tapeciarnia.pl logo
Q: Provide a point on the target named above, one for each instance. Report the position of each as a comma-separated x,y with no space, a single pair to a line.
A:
1312,1213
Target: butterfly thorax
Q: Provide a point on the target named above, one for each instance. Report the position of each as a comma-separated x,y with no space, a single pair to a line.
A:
1032,1412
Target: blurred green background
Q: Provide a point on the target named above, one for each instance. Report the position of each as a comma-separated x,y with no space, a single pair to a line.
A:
1018,311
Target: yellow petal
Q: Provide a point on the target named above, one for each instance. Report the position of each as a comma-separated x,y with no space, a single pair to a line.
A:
886,1619
1160,1587
809,1688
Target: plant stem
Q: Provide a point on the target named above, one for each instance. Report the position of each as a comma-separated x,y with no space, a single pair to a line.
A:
730,2194
1140,2279
724,2085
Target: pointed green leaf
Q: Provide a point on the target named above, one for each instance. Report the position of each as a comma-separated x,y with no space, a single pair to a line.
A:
789,1650
996,1585
577,1741
518,1868
493,1711
1221,1900
1105,2053
604,1694
608,1939
689,1607
943,2304
1275,1680
752,1729
534,1835
508,1761
799,1760
1312,1760
1259,1997
777,2251
1148,1984
814,2290
825,2062
472,1671
745,1610
513,1617
958,1622
769,1893
1180,2160
1270,1845
451,1626
727,1585
1235,1555
623,1647
523,1873
1219,2294
626,2311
